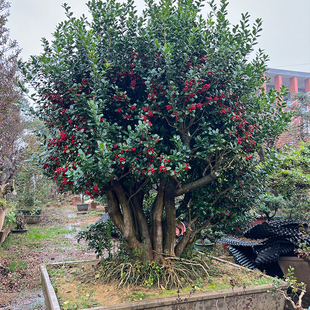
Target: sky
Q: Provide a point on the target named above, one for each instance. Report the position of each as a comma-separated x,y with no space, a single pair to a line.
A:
285,37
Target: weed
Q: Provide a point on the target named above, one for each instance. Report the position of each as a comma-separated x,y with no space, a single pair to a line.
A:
12,266
137,296
84,301
17,265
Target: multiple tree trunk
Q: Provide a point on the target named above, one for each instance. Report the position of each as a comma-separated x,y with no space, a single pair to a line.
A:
154,238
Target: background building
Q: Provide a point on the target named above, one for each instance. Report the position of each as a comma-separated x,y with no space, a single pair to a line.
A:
295,81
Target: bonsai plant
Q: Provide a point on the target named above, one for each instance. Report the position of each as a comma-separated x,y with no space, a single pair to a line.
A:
20,224
174,122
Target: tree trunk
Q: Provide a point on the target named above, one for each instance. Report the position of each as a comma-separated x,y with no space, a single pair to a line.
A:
157,223
122,216
143,227
170,219
185,238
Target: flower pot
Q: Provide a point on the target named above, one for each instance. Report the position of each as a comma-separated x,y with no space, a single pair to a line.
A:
199,247
2,216
202,247
74,201
32,219
301,269
82,206
93,205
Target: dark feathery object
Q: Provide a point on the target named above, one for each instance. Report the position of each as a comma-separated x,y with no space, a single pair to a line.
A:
274,239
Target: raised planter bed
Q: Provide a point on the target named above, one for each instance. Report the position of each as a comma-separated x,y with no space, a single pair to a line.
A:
2,216
4,233
252,298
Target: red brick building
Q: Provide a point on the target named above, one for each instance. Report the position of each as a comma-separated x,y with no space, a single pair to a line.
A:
295,81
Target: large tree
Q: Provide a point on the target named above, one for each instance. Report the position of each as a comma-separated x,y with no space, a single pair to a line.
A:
11,123
166,102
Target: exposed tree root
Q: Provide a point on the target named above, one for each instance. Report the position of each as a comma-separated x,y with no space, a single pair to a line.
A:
170,272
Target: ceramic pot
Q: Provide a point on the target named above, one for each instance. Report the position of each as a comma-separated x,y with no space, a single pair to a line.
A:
301,269
93,205
82,206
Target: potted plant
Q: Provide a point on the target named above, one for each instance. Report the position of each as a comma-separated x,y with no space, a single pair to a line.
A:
34,216
203,244
82,206
93,205
20,224
25,205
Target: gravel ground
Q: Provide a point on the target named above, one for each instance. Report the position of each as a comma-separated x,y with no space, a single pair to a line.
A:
22,254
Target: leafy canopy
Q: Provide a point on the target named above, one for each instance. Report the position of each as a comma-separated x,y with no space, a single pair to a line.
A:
167,94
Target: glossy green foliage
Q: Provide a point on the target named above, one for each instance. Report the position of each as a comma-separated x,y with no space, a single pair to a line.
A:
292,181
169,94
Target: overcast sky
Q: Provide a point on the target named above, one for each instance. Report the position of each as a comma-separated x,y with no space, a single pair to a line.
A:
285,38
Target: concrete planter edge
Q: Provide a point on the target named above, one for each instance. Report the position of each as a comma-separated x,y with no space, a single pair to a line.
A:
202,301
2,216
4,233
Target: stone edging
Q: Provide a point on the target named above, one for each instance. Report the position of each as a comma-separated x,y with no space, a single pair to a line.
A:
50,297
159,303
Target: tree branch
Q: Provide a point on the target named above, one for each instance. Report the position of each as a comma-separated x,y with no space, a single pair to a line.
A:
196,184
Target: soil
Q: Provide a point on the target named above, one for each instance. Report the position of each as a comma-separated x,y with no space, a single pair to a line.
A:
78,285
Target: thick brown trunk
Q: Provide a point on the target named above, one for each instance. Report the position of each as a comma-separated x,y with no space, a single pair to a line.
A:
185,239
157,227
124,220
170,219
143,227
114,211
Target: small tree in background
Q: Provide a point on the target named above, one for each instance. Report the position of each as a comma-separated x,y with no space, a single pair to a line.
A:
11,123
167,103
299,129
292,181
270,204
31,185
